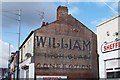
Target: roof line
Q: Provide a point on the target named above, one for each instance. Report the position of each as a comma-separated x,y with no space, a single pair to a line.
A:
108,20
26,39
82,24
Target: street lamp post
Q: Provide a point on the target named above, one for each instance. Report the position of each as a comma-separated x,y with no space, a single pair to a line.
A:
19,24
17,52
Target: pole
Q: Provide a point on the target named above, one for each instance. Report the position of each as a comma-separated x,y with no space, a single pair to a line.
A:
9,77
17,52
19,24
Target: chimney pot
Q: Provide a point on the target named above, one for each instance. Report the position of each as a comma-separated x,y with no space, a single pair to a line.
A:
43,24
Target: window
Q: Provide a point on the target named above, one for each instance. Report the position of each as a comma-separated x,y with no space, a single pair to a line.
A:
113,74
24,50
29,42
110,74
29,46
21,54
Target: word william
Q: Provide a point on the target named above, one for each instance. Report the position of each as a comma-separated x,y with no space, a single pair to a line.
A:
71,44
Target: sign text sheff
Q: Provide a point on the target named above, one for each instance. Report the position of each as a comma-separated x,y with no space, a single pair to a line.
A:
110,46
51,42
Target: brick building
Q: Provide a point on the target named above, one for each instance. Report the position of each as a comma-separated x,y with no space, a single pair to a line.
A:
12,71
65,48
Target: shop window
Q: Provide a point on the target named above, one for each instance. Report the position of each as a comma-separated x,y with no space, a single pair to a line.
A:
111,75
29,46
118,74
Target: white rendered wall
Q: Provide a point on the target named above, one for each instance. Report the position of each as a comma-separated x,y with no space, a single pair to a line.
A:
22,71
27,48
31,70
112,27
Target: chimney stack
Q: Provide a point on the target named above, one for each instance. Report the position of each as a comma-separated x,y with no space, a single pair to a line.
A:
62,12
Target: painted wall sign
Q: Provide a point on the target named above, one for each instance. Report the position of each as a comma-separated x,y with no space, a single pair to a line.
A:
62,53
70,44
63,66
63,56
112,46
65,47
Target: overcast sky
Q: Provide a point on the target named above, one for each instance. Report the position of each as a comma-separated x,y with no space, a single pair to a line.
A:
89,13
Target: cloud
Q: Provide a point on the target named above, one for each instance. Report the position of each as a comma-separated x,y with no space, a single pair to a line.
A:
29,13
73,10
30,19
4,53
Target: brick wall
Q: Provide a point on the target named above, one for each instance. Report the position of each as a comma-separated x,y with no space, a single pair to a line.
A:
66,47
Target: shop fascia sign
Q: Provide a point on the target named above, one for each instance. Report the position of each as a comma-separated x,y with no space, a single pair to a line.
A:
110,46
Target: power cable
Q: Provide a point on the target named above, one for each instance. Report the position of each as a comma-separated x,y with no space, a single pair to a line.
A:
110,8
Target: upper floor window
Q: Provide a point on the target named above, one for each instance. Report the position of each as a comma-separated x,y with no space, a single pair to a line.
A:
21,54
